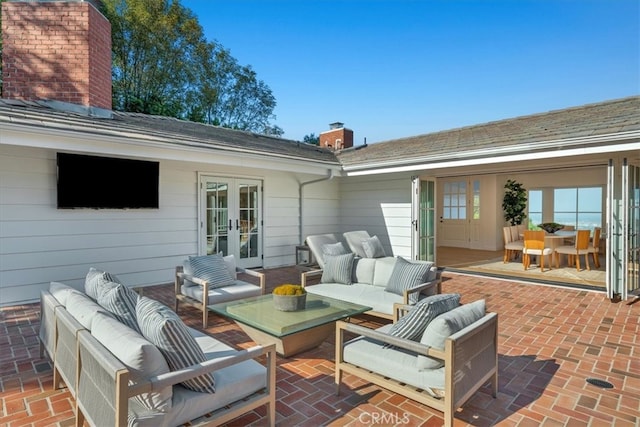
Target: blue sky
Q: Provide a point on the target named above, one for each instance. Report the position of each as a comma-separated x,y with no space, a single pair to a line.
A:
390,69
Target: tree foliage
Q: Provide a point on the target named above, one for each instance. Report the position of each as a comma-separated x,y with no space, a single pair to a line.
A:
311,139
514,202
163,64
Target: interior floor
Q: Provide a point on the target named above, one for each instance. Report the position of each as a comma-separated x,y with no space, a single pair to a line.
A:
491,263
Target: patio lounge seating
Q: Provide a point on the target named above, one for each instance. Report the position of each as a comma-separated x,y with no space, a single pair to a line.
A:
120,377
375,282
441,368
215,285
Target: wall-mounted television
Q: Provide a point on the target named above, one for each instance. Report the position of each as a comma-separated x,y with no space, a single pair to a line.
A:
97,182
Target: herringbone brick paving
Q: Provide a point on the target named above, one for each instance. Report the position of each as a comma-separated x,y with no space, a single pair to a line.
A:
551,340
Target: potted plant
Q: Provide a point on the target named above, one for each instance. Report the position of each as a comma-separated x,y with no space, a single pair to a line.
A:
551,227
289,297
514,202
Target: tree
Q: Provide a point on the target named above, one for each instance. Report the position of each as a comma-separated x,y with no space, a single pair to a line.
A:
162,64
311,139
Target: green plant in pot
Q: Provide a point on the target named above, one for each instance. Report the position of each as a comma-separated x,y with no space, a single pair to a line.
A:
289,297
514,203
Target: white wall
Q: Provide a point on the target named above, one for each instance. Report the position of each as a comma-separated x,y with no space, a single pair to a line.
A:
381,205
40,243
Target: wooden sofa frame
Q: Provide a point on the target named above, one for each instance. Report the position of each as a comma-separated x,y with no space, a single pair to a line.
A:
202,305
465,358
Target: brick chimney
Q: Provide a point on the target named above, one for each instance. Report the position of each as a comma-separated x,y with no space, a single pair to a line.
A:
56,50
337,138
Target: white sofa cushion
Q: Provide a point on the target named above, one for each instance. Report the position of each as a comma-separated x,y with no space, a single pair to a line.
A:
61,292
83,308
412,325
160,325
446,325
232,383
338,269
363,270
391,362
373,248
383,267
358,293
407,275
211,268
143,359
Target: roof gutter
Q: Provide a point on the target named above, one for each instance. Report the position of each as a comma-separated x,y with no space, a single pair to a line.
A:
301,201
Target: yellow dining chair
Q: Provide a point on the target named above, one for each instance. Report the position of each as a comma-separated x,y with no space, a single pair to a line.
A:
534,245
573,252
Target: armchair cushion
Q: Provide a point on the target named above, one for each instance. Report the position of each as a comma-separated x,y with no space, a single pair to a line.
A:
446,325
211,268
166,330
406,275
413,324
338,269
373,248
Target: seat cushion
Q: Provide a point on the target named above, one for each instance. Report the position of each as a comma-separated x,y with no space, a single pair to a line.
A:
446,325
83,308
160,325
211,268
407,275
358,293
412,325
237,290
338,269
61,292
392,362
232,383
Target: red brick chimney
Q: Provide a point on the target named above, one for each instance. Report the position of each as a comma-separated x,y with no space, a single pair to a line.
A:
337,138
56,50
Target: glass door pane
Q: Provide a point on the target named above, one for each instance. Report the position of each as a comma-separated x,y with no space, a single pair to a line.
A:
633,235
217,217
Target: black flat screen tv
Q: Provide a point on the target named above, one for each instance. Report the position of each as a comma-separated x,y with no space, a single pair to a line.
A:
96,182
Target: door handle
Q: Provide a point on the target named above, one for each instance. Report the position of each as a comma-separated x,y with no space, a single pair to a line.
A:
237,225
230,225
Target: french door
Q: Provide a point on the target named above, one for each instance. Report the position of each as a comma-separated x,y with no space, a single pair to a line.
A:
423,219
459,208
231,218
623,230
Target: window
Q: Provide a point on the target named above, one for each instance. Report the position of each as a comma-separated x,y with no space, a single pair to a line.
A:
454,204
476,199
580,207
534,203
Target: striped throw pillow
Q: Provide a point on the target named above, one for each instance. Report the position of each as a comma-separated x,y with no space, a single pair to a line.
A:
334,249
94,279
120,301
211,268
406,275
338,269
162,327
373,248
412,325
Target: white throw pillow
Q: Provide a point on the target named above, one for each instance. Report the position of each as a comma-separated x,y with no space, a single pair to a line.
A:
373,248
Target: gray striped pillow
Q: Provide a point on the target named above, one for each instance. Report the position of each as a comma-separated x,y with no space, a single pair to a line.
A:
211,268
406,275
162,327
412,325
92,281
373,247
334,249
337,269
120,301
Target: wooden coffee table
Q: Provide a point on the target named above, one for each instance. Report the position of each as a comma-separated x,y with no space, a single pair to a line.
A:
291,331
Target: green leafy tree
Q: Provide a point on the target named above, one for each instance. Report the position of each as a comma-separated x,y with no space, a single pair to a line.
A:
162,64
311,139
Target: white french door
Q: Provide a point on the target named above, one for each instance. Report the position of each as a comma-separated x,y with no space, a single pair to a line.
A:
459,209
231,218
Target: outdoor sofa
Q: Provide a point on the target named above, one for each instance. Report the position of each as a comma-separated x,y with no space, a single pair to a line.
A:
376,280
129,360
436,355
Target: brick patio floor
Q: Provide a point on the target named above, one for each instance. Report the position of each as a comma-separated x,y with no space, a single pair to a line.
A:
550,341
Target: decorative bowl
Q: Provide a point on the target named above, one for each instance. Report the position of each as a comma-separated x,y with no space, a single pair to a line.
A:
551,227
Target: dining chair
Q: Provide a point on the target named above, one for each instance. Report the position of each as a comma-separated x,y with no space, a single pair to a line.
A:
534,245
594,247
573,252
511,247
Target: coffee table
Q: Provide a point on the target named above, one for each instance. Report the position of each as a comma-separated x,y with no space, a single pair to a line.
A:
291,331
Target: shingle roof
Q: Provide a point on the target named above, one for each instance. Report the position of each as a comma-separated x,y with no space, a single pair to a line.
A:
161,129
551,130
